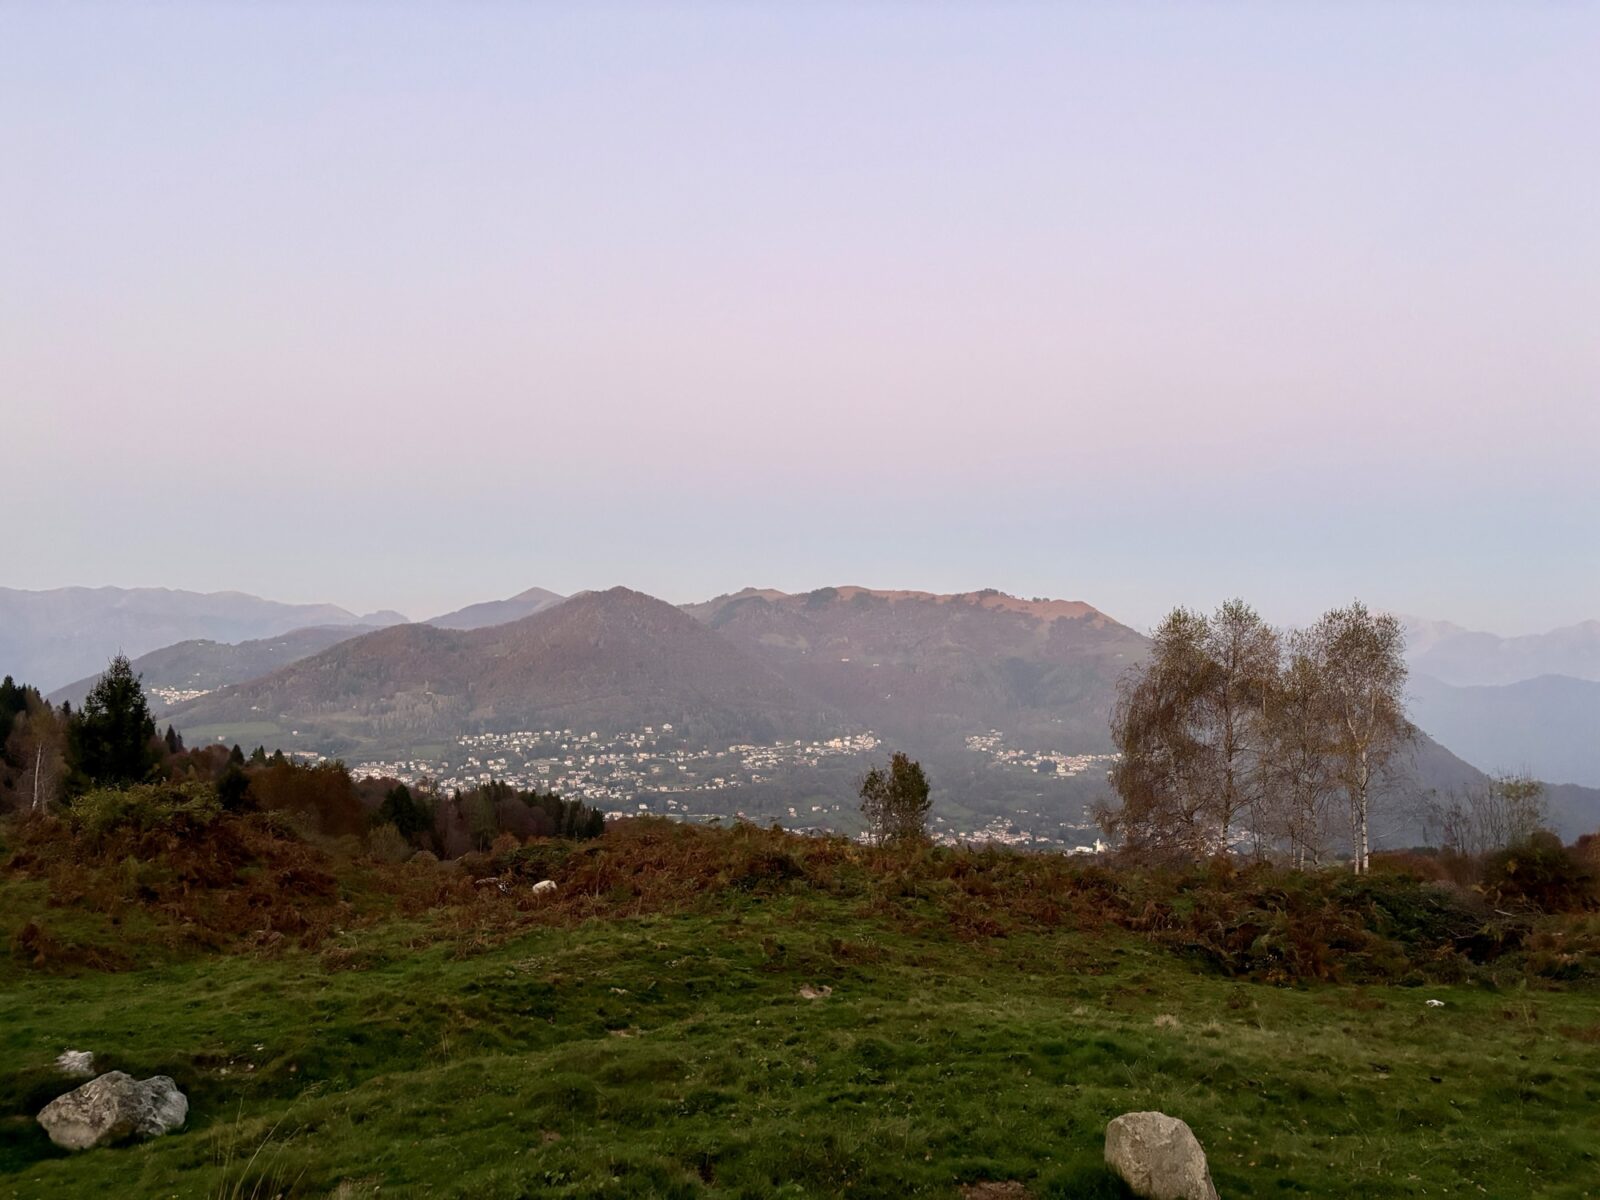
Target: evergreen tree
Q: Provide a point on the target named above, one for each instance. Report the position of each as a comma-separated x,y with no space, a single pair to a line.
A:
111,739
14,702
402,810
233,788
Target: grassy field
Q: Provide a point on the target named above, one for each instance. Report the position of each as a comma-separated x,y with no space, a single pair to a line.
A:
782,1040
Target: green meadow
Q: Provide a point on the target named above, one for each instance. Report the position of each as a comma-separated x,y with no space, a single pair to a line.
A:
786,1034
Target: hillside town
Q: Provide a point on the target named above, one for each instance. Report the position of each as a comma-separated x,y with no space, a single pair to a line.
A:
641,770
1073,837
651,770
1040,762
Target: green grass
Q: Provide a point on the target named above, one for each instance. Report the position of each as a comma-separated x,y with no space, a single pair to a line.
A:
675,1056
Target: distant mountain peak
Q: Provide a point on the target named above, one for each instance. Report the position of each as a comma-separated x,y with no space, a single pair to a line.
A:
1038,608
992,598
51,637
498,612
1465,658
384,616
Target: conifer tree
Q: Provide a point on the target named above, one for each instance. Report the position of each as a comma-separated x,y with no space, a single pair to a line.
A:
111,737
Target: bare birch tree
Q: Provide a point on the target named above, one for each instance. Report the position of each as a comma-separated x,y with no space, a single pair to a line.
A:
1242,653
1364,672
1163,775
1300,777
1189,728
1504,810
38,742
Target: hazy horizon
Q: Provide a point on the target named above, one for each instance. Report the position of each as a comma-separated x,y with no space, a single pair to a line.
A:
1278,619
412,308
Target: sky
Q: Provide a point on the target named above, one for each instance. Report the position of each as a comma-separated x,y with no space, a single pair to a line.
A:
408,306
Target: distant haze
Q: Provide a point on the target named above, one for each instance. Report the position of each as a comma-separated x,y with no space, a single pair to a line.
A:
417,306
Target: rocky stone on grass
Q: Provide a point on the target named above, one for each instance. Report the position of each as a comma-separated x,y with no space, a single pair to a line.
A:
544,887
1158,1157
114,1107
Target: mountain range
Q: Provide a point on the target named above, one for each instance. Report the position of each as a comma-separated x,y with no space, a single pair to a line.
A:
1511,704
201,665
922,670
931,669
498,612
1467,658
612,660
1548,726
50,638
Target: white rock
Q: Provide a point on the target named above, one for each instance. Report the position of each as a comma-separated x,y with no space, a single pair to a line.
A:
544,887
1434,1003
1158,1157
77,1063
113,1107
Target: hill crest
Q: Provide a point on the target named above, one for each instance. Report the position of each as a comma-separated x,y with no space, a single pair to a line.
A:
612,660
499,612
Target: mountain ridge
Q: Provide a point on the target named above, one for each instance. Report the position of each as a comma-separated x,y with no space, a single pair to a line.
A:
615,659
1548,726
52,637
498,612
200,664
933,668
1464,657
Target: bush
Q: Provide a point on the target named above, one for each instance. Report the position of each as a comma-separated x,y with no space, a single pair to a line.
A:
1412,864
324,793
388,845
144,808
1541,873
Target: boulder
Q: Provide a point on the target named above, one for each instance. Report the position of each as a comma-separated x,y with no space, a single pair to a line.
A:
114,1107
544,887
1158,1157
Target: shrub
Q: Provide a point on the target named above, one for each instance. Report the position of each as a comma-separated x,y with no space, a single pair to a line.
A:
1541,873
766,869
387,844
144,808
1411,864
325,793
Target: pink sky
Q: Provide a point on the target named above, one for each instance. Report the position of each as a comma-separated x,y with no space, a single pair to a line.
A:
412,306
